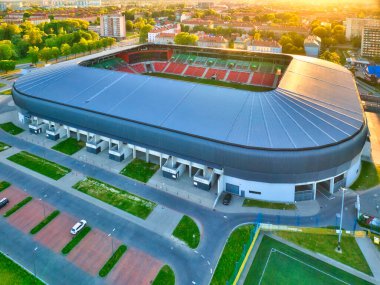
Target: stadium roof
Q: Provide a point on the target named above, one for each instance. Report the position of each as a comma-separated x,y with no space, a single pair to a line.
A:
315,104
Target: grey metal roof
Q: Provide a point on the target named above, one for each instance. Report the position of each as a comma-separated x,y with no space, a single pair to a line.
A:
315,104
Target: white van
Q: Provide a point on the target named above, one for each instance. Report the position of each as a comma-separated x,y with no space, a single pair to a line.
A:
78,226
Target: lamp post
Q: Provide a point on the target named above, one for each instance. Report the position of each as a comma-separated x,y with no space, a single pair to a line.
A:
43,206
339,249
110,235
34,261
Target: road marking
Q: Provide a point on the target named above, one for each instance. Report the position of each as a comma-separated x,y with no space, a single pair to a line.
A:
208,262
210,270
193,282
202,256
196,251
225,217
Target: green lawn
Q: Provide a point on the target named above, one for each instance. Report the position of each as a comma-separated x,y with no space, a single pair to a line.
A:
18,206
111,262
2,85
231,254
40,165
11,128
12,273
3,146
277,263
212,82
69,146
269,205
165,276
326,244
116,197
26,59
140,170
369,176
44,222
4,185
188,231
6,92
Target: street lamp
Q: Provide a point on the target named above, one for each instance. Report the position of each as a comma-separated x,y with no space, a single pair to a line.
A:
110,235
34,261
43,206
339,249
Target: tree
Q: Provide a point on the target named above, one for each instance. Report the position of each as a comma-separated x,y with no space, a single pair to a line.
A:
184,38
45,54
65,50
246,19
76,48
144,32
7,65
6,51
129,25
55,53
33,53
320,32
257,36
330,56
33,36
356,42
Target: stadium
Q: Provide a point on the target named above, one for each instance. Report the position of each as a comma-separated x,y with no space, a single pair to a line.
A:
264,126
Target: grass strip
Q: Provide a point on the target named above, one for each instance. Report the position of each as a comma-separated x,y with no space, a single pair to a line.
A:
140,170
69,146
6,92
44,222
40,165
18,206
116,197
187,231
212,82
76,239
231,254
4,146
11,128
325,244
165,276
112,261
4,185
12,273
369,176
268,205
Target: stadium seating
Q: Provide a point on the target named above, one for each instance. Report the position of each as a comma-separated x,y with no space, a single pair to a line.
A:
220,73
236,76
195,71
125,69
139,68
175,68
268,79
159,66
257,78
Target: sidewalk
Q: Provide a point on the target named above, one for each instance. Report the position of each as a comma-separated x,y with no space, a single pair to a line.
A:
371,254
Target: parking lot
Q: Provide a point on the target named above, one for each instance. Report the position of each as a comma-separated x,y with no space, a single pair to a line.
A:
14,196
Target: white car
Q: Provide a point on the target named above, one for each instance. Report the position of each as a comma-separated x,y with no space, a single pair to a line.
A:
78,226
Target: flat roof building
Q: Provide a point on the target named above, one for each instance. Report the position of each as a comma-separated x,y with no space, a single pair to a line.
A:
354,26
264,46
312,45
371,41
112,26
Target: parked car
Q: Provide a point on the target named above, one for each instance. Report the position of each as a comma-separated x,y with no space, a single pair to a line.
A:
78,227
3,202
227,199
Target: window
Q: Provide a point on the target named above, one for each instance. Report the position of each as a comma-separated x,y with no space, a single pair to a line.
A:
255,192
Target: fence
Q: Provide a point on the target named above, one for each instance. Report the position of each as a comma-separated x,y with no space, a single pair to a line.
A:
240,264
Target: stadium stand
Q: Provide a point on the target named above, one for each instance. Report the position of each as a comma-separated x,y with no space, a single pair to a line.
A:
195,71
125,69
139,68
220,73
159,66
257,78
268,79
175,68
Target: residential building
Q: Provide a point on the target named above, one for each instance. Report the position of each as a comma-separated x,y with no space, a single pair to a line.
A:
371,41
242,42
264,46
166,29
206,40
354,26
112,26
165,38
312,45
191,23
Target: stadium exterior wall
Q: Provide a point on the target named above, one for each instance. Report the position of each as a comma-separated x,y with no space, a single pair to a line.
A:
246,164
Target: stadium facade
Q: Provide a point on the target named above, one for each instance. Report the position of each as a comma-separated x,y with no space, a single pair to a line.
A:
306,132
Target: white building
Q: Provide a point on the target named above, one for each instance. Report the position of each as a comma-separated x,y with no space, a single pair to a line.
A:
354,26
167,29
165,38
88,3
371,41
112,26
212,41
312,45
265,46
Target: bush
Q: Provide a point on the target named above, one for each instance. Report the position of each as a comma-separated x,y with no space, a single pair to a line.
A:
112,261
18,206
68,247
44,222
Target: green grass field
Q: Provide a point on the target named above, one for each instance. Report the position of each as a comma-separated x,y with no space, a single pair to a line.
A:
4,185
4,146
165,276
325,244
188,231
140,170
40,165
211,82
369,176
6,92
277,263
69,146
11,128
12,273
231,254
116,197
268,205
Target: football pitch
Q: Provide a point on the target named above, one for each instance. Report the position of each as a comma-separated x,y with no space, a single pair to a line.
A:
277,263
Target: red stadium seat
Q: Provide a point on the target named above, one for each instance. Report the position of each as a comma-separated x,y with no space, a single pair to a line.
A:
159,66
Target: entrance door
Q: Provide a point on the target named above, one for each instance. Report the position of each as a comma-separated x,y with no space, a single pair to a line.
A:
233,189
